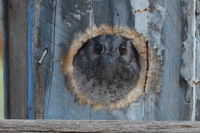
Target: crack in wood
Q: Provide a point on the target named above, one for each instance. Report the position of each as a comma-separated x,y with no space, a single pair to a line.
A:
146,78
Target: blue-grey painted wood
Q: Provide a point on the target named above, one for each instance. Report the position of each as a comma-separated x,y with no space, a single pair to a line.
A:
197,82
171,101
43,38
60,21
190,68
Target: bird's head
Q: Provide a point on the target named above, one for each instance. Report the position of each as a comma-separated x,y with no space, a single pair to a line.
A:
107,67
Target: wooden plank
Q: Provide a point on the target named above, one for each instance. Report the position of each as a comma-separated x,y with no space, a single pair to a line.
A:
5,58
57,24
17,58
197,82
42,72
190,67
67,24
1,64
171,102
60,126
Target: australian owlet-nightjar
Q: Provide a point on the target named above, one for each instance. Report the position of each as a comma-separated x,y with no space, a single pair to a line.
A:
106,68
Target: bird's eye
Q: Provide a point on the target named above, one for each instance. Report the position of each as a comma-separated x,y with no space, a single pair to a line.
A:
98,48
122,48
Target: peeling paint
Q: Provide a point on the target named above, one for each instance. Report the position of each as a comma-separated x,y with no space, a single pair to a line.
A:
140,17
148,9
163,98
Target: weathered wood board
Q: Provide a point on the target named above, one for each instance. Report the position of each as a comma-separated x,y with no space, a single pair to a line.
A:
105,126
15,55
171,30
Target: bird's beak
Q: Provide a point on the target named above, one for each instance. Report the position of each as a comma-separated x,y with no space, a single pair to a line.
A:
109,57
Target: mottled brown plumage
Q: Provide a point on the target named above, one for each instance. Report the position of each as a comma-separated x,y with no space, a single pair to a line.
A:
106,68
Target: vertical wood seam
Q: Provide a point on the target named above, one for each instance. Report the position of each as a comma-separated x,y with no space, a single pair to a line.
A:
6,60
30,80
53,51
194,61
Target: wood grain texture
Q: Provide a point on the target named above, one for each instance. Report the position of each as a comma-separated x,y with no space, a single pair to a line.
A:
190,56
197,82
173,37
60,126
171,101
60,22
17,58
44,18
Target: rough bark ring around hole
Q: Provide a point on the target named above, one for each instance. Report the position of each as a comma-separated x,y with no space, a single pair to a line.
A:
139,44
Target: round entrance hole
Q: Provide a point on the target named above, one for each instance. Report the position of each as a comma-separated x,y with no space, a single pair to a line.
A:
107,69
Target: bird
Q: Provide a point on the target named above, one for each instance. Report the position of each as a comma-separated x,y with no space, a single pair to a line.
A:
106,68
